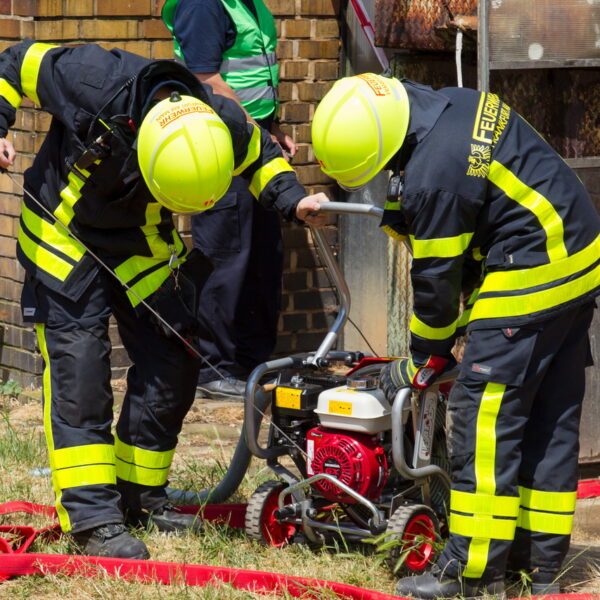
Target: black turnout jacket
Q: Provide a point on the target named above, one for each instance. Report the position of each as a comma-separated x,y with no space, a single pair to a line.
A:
490,207
103,200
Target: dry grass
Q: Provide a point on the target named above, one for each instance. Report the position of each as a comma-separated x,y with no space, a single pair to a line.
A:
203,454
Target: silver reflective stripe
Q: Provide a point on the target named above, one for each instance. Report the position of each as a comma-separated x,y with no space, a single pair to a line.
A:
264,92
247,63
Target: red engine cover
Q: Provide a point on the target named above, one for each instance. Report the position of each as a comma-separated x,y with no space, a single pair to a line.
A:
355,459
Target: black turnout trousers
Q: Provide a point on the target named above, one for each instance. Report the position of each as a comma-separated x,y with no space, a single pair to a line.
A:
513,438
90,466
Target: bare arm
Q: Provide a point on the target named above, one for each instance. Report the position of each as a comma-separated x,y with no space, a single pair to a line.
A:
219,86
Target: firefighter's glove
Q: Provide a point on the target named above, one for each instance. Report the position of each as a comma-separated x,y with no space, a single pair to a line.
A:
419,372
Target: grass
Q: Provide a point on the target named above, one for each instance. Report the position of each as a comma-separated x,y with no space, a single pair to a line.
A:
22,450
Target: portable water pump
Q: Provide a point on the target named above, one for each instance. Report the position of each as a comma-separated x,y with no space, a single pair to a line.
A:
348,462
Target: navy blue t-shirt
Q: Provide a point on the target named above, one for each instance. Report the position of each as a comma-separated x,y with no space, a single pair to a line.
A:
205,32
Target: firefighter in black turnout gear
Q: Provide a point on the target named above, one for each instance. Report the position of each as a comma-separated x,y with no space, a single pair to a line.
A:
131,141
489,210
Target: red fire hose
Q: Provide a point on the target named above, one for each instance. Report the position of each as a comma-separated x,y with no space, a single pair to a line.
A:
15,561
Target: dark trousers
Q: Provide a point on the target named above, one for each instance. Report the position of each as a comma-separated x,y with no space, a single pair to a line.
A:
242,297
89,466
513,440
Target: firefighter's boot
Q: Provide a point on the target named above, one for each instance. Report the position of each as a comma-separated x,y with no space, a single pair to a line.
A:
435,584
166,519
111,540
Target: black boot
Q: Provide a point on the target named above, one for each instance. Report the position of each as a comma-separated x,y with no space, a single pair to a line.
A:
112,540
435,584
167,519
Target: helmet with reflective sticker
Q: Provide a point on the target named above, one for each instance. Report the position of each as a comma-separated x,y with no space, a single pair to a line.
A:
185,154
358,127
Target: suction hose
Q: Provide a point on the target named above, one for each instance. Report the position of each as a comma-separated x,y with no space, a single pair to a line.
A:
237,468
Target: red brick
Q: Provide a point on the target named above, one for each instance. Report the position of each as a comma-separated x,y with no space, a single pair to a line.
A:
312,91
8,225
285,49
294,69
10,28
286,91
281,7
312,174
327,28
79,8
318,48
57,30
157,7
5,7
24,8
319,7
102,29
154,29
27,28
296,112
49,8
326,69
296,28
111,8
162,49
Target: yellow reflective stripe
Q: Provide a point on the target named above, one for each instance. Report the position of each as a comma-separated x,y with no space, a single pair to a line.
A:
524,304
482,527
10,94
85,475
42,257
78,456
70,194
423,330
150,459
393,233
40,330
135,265
477,558
30,69
141,475
253,151
447,247
545,522
526,278
532,200
53,235
549,501
485,440
264,174
484,504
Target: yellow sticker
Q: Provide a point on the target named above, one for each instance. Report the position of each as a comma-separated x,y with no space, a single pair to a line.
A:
288,398
340,408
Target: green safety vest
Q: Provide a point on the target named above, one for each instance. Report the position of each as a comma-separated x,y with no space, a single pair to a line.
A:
250,65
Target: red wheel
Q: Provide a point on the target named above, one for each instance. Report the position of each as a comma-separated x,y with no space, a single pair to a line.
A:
415,528
261,524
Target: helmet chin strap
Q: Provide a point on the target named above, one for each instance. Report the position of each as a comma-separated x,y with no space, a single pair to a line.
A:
394,190
154,96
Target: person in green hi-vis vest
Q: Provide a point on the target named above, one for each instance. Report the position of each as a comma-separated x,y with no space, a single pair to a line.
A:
230,45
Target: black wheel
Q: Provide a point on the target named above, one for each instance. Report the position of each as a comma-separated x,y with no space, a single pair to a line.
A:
261,524
415,529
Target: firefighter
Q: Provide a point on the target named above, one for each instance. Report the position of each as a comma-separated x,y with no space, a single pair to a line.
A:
131,141
481,186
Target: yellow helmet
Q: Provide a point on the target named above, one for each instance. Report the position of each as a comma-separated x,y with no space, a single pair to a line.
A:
358,127
185,154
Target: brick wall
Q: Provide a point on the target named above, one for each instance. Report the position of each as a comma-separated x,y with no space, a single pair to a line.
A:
309,58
